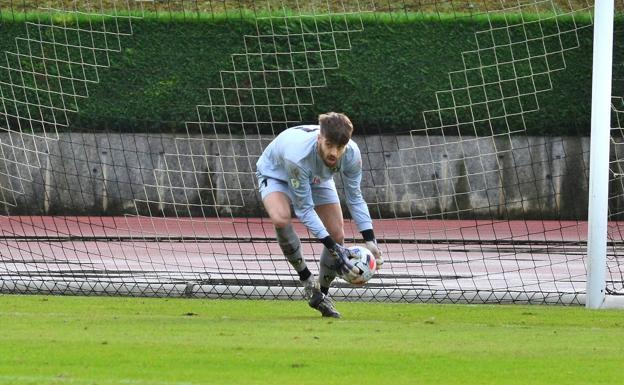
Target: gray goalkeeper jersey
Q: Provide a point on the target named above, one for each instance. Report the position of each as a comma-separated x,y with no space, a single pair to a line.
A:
292,157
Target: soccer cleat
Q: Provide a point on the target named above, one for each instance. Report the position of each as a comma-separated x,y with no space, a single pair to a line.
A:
309,286
322,303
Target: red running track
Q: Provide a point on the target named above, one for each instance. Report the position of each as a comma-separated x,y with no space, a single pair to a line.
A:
246,228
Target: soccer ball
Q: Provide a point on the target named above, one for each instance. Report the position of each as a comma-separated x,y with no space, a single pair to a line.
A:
364,260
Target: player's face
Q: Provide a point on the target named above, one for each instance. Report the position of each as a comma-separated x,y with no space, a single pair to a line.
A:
330,152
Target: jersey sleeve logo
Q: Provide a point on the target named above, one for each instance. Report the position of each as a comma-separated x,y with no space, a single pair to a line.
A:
294,183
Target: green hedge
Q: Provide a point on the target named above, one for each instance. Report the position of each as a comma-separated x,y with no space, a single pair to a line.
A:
384,82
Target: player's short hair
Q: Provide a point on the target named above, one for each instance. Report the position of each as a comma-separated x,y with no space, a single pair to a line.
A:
336,128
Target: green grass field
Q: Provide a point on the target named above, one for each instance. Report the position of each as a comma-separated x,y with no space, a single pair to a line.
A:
94,340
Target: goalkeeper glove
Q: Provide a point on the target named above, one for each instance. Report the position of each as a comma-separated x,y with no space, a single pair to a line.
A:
374,249
344,266
371,245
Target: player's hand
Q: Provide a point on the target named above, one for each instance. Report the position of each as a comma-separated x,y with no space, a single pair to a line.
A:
344,266
373,248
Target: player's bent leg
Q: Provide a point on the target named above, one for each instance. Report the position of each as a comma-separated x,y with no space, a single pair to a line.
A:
331,216
327,271
277,205
291,246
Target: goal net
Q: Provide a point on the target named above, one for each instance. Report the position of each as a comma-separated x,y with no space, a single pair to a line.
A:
476,161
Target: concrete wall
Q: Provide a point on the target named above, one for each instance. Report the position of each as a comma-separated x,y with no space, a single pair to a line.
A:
405,176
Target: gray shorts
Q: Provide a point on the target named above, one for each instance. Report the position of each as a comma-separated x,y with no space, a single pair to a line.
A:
322,194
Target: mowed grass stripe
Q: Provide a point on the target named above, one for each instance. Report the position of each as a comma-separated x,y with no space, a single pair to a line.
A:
58,380
56,340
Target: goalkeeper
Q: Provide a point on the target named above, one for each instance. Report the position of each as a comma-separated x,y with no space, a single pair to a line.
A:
297,168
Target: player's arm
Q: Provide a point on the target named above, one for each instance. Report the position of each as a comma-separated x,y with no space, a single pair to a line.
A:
299,183
352,179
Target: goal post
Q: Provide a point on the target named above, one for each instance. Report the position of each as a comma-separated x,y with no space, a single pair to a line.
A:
603,289
599,152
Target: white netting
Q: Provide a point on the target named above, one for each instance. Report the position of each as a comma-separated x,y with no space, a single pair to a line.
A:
49,70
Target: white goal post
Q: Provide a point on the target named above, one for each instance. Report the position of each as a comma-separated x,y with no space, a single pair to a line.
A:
599,159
